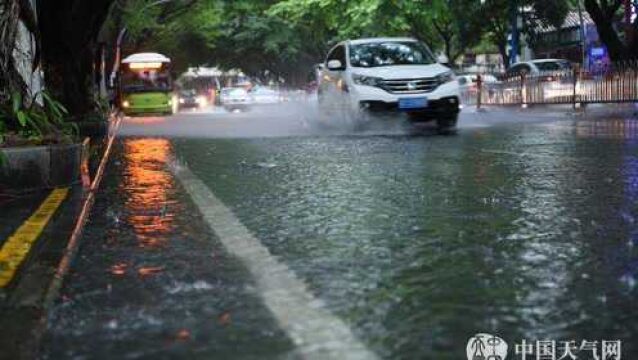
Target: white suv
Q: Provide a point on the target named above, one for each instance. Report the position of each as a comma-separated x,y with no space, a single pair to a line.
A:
387,75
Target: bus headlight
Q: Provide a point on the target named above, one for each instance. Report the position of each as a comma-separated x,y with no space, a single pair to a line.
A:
126,104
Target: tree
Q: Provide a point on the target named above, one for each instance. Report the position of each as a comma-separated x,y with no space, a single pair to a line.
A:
496,16
11,13
69,30
605,13
282,39
448,25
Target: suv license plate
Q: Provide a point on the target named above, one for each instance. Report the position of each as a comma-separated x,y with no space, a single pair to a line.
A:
413,103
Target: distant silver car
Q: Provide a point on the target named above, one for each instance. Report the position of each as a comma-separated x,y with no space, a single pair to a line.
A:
545,68
265,96
235,98
546,78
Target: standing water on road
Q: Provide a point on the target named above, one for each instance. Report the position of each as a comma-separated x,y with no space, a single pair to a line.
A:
151,281
527,232
524,231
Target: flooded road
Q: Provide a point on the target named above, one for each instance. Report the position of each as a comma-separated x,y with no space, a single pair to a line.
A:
151,281
522,228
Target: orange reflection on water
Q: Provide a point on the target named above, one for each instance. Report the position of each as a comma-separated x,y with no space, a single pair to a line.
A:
146,184
146,120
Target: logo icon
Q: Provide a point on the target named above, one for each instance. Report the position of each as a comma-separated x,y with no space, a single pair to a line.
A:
486,347
412,85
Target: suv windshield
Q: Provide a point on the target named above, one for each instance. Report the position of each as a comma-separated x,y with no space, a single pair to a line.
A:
390,53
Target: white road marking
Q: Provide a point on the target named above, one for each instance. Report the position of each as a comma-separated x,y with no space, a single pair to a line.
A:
316,332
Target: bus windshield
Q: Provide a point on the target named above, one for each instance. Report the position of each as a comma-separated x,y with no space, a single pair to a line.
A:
145,80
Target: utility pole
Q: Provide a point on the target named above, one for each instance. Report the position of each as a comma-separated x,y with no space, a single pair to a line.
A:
583,41
515,35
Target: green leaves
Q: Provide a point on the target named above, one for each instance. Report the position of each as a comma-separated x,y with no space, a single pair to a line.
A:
20,113
23,119
55,110
286,37
16,102
33,120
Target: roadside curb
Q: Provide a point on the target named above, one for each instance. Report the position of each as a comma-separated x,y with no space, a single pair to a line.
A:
73,243
28,169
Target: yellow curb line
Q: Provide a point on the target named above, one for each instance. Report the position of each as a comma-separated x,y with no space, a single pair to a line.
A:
17,247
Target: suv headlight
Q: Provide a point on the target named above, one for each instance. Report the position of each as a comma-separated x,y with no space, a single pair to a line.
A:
366,80
446,77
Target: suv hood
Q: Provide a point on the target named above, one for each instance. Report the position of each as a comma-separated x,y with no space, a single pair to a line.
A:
402,71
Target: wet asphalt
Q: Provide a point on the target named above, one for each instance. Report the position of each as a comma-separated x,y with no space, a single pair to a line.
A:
523,225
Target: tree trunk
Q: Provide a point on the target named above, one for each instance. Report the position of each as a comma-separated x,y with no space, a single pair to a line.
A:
604,18
69,31
10,79
502,49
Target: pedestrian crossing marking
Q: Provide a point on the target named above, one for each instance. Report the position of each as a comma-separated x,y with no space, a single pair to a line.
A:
17,247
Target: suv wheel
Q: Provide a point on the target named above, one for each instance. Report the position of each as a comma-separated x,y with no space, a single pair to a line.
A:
447,125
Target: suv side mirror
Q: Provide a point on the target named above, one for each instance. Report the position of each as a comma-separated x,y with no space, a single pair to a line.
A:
335,65
442,59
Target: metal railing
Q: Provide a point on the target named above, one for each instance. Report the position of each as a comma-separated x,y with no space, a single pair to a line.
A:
613,84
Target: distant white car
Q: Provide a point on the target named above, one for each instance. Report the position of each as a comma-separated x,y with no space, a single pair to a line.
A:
540,67
265,96
554,77
396,75
235,98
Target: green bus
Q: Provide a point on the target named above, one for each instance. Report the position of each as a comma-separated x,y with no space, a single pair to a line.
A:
145,85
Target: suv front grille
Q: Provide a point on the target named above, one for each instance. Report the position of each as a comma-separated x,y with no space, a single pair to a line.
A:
409,86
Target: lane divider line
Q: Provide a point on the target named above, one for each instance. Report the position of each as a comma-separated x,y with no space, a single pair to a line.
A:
17,247
315,331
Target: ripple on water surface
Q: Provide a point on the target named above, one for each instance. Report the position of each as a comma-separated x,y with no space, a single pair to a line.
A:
151,280
421,242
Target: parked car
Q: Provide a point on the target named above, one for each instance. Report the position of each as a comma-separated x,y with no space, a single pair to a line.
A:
547,70
235,98
392,75
265,96
544,78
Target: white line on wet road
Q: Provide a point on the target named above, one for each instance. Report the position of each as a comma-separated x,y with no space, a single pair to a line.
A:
316,332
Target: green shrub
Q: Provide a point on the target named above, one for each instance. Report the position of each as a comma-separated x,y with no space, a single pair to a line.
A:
35,122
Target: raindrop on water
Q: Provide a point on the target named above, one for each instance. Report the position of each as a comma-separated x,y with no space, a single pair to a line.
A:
183,334
112,325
